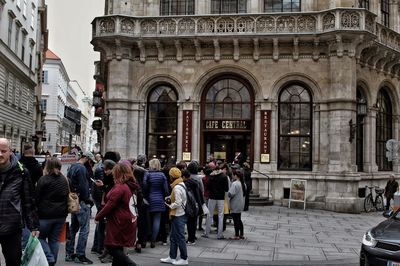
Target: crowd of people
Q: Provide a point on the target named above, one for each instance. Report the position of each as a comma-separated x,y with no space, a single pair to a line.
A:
139,203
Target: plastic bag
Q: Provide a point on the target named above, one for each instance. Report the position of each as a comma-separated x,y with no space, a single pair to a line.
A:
33,253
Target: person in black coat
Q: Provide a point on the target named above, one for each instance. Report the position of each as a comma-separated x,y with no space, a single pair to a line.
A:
249,184
30,162
391,188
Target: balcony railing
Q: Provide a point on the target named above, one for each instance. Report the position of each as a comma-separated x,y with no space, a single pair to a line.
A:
244,24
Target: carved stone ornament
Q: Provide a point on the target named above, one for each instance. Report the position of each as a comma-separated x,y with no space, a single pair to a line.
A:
328,21
127,26
107,26
350,20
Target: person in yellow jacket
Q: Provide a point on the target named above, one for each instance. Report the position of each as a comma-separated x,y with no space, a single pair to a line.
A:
176,202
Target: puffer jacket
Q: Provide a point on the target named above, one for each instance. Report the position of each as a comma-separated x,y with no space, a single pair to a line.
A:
17,204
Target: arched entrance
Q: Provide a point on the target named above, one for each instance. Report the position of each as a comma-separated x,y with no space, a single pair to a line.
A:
227,120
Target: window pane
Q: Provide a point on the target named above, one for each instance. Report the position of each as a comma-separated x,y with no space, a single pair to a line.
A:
285,126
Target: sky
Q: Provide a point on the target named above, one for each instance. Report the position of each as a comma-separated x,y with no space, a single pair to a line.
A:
70,33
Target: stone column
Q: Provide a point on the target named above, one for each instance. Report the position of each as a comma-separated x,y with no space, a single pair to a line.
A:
118,91
341,106
371,139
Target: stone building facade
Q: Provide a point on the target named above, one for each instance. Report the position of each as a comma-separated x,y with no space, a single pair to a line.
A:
303,89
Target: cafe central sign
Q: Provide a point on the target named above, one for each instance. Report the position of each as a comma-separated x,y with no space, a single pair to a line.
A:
227,124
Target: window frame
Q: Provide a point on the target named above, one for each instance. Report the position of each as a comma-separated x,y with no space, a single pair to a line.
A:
151,133
385,12
279,7
10,30
298,136
219,6
363,4
384,129
188,6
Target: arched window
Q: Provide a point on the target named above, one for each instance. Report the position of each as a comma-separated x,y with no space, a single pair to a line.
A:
176,7
162,118
361,99
228,6
228,99
282,5
295,124
383,129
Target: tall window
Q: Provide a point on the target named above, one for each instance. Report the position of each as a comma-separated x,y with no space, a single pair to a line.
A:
45,77
10,29
19,3
228,6
282,5
43,104
360,132
162,123
23,46
176,7
295,124
383,129
24,8
33,17
363,4
385,12
17,32
6,85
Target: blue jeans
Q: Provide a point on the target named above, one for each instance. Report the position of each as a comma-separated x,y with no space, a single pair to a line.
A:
79,222
50,230
155,219
177,237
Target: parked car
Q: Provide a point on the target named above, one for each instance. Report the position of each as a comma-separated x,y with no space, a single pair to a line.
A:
381,244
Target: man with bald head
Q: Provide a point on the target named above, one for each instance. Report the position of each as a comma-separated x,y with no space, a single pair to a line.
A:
17,207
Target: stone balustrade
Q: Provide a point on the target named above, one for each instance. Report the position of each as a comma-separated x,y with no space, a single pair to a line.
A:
251,24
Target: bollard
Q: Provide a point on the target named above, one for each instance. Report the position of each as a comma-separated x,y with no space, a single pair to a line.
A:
396,199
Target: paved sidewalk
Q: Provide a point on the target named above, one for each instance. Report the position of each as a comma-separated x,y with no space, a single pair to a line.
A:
274,236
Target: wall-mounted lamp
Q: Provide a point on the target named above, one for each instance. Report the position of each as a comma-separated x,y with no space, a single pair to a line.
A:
361,112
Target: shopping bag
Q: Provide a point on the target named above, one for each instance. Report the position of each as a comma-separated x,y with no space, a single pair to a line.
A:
33,253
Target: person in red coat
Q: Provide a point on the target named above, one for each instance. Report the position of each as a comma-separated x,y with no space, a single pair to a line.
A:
121,214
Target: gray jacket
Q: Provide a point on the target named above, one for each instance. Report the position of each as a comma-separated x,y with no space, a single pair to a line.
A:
236,198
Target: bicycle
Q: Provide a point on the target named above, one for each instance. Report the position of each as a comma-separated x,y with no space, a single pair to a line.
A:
369,201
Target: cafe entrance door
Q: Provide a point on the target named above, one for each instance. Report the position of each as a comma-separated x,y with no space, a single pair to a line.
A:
224,146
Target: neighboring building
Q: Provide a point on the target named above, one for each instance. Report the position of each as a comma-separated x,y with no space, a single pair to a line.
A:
305,89
20,55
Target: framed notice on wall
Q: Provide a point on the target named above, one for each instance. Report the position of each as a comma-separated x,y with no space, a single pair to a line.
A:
187,135
298,191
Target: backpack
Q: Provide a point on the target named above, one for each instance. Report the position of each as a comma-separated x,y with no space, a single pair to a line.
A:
191,208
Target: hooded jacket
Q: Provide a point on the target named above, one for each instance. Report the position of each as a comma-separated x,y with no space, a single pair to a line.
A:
17,202
218,185
121,223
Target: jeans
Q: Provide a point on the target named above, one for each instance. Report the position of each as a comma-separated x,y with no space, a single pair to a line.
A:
99,233
119,257
177,237
191,228
50,230
79,222
211,206
155,220
142,225
237,223
11,246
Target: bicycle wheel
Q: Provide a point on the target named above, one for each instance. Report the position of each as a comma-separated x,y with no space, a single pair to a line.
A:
379,203
368,205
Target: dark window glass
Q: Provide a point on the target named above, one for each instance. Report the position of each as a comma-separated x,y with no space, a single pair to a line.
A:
363,4
162,123
385,10
228,99
176,7
282,5
228,6
383,129
295,124
360,133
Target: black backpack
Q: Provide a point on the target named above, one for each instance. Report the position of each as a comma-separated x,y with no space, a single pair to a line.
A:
191,208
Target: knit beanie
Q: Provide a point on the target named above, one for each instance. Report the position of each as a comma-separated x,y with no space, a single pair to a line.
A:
175,173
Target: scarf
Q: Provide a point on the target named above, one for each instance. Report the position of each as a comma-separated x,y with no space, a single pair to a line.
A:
172,212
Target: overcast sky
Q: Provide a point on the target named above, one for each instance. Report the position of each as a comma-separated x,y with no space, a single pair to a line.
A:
70,33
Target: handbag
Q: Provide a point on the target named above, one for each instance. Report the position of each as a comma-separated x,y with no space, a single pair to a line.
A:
73,200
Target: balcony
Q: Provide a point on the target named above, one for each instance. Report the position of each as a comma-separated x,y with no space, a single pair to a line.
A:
302,23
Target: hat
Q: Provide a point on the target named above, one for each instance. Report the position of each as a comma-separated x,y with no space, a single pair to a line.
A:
175,173
89,155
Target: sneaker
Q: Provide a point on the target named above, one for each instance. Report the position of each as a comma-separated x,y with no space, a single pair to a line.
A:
153,244
221,238
204,235
107,259
181,262
164,243
83,260
190,243
70,257
168,260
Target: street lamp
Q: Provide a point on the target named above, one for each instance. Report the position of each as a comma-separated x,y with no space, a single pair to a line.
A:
361,112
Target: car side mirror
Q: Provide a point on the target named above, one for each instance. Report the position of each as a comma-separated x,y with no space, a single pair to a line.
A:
387,214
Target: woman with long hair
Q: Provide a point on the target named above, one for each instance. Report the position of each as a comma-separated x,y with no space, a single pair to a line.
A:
236,195
52,201
121,215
